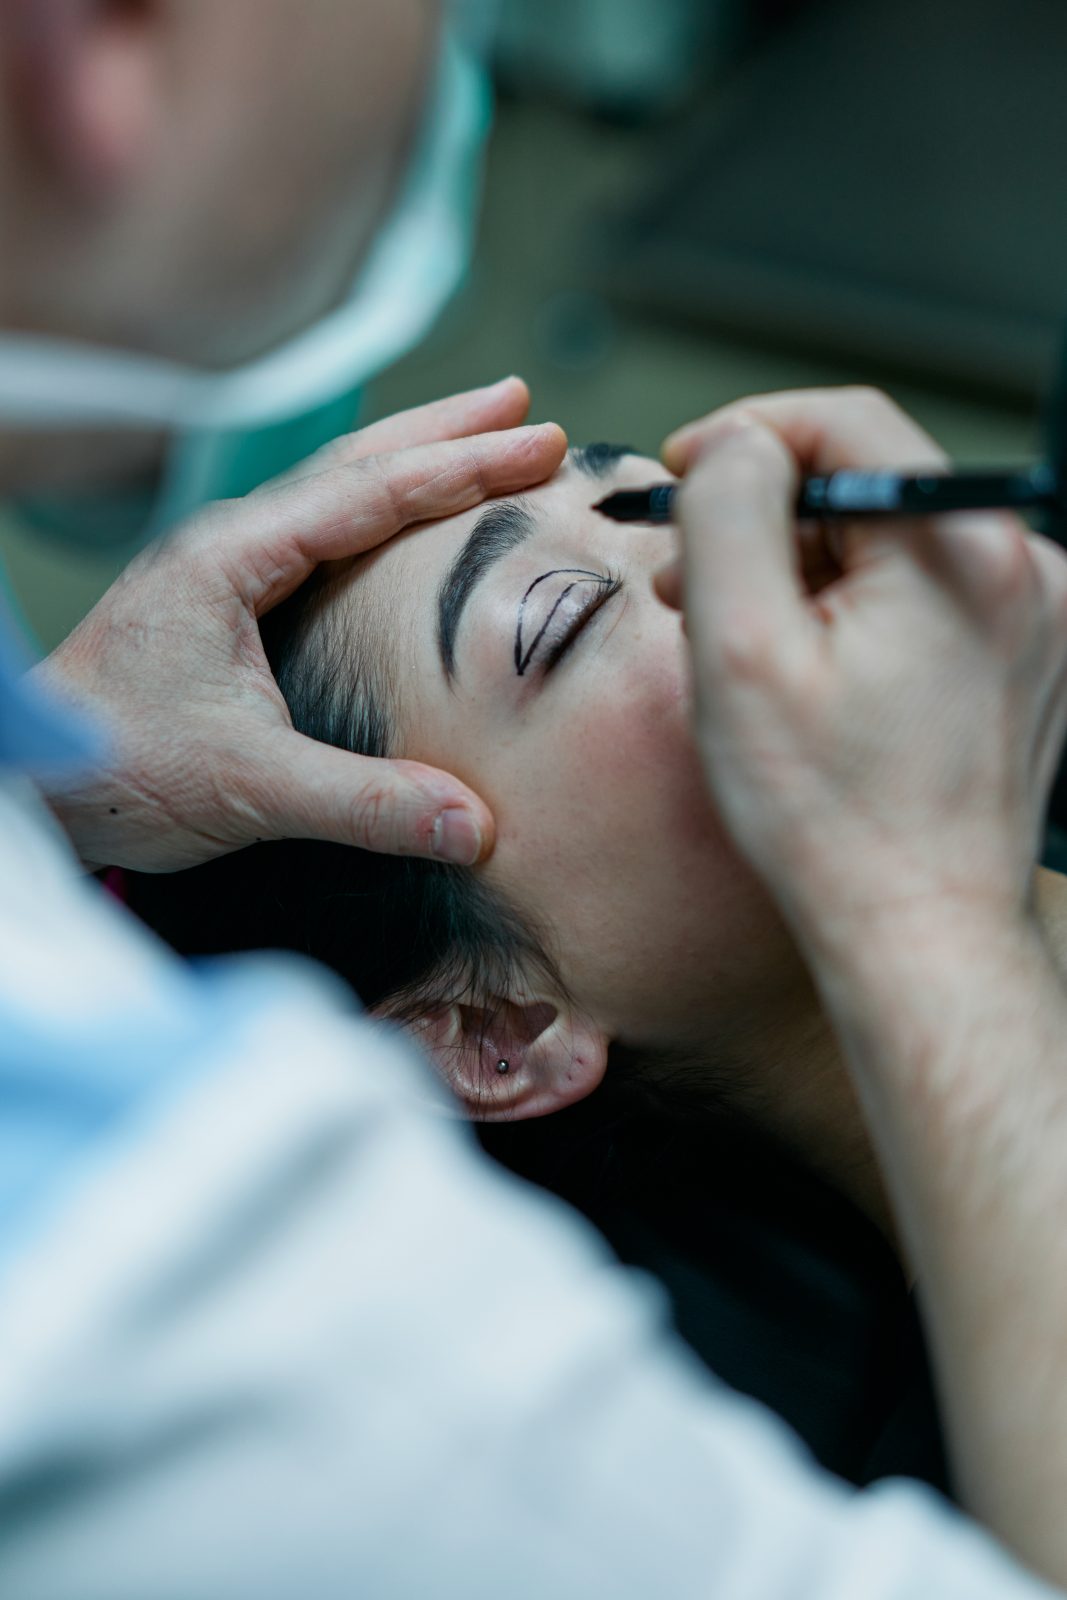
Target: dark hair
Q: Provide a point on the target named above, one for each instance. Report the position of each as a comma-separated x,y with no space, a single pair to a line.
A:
405,933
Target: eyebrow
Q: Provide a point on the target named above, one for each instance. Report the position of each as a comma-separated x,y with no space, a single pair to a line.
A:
501,528
597,460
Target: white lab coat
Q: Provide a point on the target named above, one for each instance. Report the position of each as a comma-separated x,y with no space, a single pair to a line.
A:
272,1328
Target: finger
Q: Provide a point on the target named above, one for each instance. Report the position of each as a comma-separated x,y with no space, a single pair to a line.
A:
744,598
351,509
669,584
826,429
817,568
499,405
314,791
983,557
996,565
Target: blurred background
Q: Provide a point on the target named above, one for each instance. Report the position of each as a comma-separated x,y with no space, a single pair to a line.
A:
691,200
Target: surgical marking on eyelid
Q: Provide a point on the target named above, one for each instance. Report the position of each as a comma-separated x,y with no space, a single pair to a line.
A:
521,661
548,622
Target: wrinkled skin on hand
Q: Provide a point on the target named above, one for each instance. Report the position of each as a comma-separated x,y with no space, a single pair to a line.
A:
205,758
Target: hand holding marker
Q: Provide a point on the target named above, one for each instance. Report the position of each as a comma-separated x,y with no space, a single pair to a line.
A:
878,494
1042,487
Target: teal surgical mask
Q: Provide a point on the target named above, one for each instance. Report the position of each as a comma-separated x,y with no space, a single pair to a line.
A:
228,431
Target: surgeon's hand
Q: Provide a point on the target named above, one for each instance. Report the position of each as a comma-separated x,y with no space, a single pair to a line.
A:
880,714
205,757
880,748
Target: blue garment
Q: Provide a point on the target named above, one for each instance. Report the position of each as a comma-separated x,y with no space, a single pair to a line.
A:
276,1334
270,1327
71,1073
65,1090
36,735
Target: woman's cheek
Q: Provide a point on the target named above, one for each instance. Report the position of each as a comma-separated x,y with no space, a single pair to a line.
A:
609,840
614,797
647,762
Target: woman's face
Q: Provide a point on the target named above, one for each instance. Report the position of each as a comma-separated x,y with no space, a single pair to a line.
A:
532,658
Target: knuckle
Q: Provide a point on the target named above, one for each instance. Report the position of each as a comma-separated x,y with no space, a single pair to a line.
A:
451,477
373,820
392,814
382,492
472,467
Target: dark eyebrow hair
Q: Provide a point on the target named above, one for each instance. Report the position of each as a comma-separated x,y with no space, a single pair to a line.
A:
597,460
500,529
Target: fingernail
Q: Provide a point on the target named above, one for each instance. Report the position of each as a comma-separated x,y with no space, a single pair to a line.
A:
456,838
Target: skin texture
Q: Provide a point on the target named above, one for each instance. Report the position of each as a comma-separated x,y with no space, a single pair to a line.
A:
901,862
203,755
607,838
199,180
884,755
927,813
590,767
605,822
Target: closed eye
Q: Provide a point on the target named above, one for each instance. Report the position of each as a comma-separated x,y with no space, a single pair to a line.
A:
604,591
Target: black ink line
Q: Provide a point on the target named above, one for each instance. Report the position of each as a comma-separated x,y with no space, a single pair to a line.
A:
546,625
521,662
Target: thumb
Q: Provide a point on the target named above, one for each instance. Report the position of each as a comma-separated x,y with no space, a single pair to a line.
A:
669,584
314,791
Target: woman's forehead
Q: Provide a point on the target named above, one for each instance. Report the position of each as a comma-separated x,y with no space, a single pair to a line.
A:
419,556
586,474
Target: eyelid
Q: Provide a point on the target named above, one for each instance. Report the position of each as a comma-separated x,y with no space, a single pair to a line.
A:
608,589
523,658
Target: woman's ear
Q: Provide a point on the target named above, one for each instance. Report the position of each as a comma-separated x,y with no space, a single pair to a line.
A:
516,1059
85,80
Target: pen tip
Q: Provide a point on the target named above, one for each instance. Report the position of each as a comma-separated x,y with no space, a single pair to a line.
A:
622,505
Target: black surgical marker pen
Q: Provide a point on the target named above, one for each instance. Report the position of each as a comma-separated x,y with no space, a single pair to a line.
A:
876,494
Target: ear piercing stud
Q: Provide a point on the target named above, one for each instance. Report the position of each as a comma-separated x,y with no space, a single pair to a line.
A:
503,1066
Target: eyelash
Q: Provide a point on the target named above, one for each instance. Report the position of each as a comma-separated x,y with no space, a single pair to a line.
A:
608,590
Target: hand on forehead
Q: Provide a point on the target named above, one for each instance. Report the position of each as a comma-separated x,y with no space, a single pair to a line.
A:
436,567
564,501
